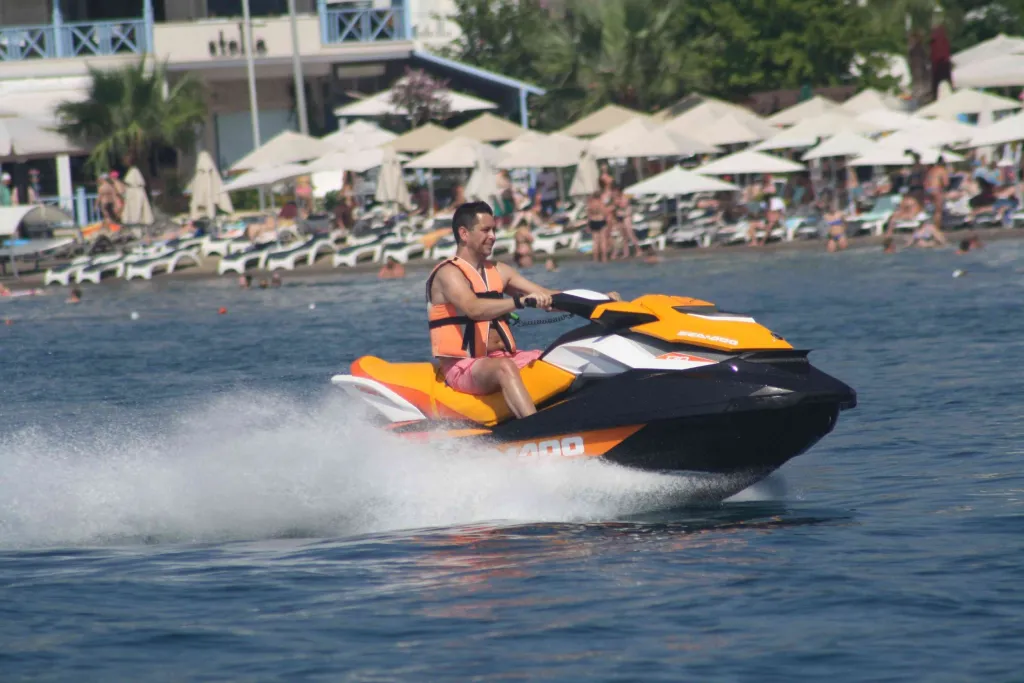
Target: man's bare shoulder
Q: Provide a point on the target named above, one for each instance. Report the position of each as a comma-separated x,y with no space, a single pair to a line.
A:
447,276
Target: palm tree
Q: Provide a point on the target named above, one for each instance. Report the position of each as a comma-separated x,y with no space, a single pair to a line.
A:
131,113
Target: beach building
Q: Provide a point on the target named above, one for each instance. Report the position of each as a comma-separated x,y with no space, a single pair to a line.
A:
347,48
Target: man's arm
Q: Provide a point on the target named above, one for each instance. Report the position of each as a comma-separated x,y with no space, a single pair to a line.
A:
456,291
519,284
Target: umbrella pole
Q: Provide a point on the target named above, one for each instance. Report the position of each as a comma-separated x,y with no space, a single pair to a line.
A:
561,186
430,185
679,211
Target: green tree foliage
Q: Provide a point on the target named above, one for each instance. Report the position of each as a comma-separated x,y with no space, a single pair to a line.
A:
646,55
972,21
132,112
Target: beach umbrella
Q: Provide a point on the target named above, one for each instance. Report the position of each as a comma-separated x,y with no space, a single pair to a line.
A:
807,132
1005,130
601,121
816,106
987,49
885,154
678,181
483,183
391,188
867,100
721,123
284,148
356,161
642,137
966,101
266,177
380,104
586,180
137,210
206,189
456,153
25,138
888,120
359,135
489,128
841,145
427,137
749,162
556,150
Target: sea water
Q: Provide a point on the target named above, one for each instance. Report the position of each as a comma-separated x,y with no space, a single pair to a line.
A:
183,496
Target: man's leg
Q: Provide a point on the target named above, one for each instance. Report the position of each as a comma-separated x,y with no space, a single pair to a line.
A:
492,374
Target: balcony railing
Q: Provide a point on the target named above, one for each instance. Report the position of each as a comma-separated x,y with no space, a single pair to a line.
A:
361,25
99,38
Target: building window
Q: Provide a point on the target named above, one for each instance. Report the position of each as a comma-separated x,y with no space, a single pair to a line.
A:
258,8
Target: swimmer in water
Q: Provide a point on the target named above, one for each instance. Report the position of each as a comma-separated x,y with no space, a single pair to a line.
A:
75,297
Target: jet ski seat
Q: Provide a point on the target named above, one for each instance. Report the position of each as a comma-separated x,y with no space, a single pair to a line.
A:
422,384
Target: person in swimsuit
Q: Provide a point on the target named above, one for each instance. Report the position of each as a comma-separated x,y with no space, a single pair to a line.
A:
935,183
836,222
915,179
624,223
597,221
106,200
926,237
524,246
908,210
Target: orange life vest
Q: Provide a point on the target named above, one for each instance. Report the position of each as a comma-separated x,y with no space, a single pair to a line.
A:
457,336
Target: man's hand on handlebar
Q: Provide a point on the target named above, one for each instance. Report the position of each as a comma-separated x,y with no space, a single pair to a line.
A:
537,300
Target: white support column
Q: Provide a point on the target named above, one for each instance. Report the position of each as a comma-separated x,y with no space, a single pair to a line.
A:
64,189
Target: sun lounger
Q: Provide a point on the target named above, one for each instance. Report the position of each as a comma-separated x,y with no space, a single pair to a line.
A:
288,258
550,242
168,262
95,271
253,257
503,245
218,246
350,256
61,275
403,251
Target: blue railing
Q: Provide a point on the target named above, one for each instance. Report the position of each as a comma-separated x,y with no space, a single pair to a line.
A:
361,25
82,206
84,38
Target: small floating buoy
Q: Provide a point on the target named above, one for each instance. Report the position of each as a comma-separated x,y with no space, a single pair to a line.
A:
958,273
134,315
222,310
8,321
312,307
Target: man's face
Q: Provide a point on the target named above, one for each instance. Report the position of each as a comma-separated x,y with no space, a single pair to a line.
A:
481,238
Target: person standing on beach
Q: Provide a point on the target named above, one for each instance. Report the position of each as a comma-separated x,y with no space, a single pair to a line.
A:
935,182
6,197
120,191
106,200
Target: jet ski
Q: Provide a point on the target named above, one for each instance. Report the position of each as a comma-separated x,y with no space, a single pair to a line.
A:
661,383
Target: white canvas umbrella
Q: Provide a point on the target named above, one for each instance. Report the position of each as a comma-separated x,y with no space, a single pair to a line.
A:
816,106
967,101
551,151
749,161
893,155
206,189
284,148
380,105
483,183
1005,130
266,177
677,181
841,145
585,181
24,138
867,100
641,137
527,139
391,188
807,132
601,121
888,120
1006,71
137,210
456,153
987,49
705,120
359,135
356,161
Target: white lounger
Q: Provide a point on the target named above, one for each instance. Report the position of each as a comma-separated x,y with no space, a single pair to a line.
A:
350,256
445,248
94,272
403,251
146,268
308,251
549,242
61,275
254,257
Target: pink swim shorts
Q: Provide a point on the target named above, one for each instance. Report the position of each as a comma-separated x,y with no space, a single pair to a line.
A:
458,374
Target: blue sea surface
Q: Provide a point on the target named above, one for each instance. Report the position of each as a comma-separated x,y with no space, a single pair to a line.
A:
183,496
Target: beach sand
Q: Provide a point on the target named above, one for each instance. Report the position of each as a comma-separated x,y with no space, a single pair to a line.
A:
208,270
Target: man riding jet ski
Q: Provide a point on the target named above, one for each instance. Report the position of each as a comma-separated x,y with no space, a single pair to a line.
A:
662,383
469,332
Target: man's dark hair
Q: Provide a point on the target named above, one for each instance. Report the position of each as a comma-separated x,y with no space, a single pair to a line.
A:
466,215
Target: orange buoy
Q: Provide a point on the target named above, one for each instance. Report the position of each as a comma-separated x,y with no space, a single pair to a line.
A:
222,310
